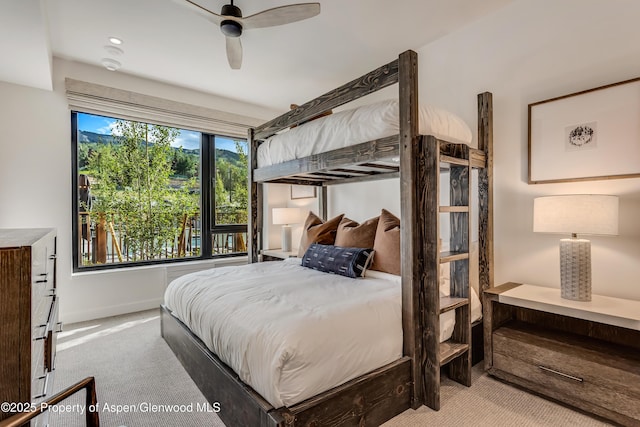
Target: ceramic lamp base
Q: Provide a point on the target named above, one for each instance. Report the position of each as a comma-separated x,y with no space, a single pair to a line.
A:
286,238
575,269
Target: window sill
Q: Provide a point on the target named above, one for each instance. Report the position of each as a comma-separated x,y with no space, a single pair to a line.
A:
214,262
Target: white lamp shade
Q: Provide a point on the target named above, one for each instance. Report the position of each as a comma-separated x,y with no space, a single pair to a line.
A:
286,215
576,214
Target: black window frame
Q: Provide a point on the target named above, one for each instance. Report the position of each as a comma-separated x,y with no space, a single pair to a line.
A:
208,174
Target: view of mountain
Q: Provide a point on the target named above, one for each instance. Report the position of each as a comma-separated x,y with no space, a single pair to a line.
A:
87,137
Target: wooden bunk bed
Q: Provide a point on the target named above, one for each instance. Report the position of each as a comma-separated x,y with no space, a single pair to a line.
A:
414,379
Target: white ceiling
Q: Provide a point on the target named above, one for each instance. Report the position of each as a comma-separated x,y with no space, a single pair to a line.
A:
165,41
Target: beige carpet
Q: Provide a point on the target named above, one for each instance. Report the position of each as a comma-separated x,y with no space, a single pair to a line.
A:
135,368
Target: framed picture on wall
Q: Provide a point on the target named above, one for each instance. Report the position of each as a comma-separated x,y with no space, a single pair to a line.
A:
588,135
302,191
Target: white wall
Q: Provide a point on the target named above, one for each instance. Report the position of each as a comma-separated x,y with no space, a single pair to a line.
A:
35,183
529,51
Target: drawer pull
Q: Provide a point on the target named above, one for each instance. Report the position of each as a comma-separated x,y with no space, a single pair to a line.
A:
54,256
46,332
562,374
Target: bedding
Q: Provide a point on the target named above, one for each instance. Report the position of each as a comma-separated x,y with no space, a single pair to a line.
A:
315,230
361,124
353,235
299,333
387,244
345,261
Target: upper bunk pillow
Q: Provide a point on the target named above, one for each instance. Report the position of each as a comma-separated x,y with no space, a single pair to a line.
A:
357,125
317,231
350,234
387,244
349,262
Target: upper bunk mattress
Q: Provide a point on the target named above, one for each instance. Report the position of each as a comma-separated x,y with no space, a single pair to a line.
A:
355,126
291,332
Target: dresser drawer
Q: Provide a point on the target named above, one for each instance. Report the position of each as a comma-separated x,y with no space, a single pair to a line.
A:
38,370
40,313
577,370
52,338
43,265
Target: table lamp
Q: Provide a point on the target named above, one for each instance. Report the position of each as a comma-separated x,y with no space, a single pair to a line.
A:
285,217
576,214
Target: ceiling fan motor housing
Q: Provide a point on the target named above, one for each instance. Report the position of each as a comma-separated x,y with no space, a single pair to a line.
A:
229,27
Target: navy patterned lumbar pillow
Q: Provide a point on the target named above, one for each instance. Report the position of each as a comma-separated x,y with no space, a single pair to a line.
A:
350,262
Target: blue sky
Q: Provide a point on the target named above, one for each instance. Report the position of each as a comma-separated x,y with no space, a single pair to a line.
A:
187,139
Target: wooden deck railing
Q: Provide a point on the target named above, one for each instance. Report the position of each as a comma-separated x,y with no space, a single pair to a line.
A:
102,239
91,407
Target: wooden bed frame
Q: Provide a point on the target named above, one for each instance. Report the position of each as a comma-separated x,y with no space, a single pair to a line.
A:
414,379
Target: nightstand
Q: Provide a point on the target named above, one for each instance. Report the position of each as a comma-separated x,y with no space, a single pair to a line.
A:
277,254
585,354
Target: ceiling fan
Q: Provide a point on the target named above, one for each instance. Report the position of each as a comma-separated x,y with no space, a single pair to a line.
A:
232,23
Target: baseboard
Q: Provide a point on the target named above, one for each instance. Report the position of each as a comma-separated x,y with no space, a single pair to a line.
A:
114,310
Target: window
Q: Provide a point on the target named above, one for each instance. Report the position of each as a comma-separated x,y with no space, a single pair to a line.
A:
147,193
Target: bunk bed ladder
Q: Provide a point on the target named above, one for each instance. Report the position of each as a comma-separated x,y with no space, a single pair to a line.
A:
454,353
458,258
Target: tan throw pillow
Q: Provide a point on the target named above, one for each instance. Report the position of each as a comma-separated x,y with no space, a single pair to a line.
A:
387,244
353,235
316,231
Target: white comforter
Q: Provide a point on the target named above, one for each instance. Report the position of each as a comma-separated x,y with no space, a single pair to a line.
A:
291,332
288,331
361,124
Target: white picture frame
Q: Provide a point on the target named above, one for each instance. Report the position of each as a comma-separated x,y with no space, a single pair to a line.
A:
588,135
303,192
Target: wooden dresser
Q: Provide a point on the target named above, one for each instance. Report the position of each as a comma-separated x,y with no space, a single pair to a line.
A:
28,318
585,354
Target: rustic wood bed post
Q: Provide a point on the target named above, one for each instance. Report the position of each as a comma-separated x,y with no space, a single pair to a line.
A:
254,226
322,202
485,190
412,267
427,266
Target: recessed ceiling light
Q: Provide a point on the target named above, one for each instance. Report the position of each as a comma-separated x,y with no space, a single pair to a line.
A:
115,40
110,64
113,50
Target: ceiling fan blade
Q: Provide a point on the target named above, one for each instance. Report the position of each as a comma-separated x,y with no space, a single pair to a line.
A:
281,15
234,52
202,11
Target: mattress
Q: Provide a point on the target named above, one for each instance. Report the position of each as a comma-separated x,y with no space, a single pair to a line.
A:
362,124
291,332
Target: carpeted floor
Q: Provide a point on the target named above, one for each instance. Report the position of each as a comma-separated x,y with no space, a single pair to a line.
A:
134,368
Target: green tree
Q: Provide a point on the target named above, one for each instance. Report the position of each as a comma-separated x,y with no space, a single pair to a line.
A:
132,191
184,164
231,188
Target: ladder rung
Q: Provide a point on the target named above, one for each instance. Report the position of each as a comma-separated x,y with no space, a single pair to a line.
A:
478,158
450,350
452,256
444,209
451,303
454,160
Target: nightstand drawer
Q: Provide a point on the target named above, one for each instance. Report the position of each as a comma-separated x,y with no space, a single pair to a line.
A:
570,368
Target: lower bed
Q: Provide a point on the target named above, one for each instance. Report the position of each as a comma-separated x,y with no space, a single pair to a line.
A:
291,332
